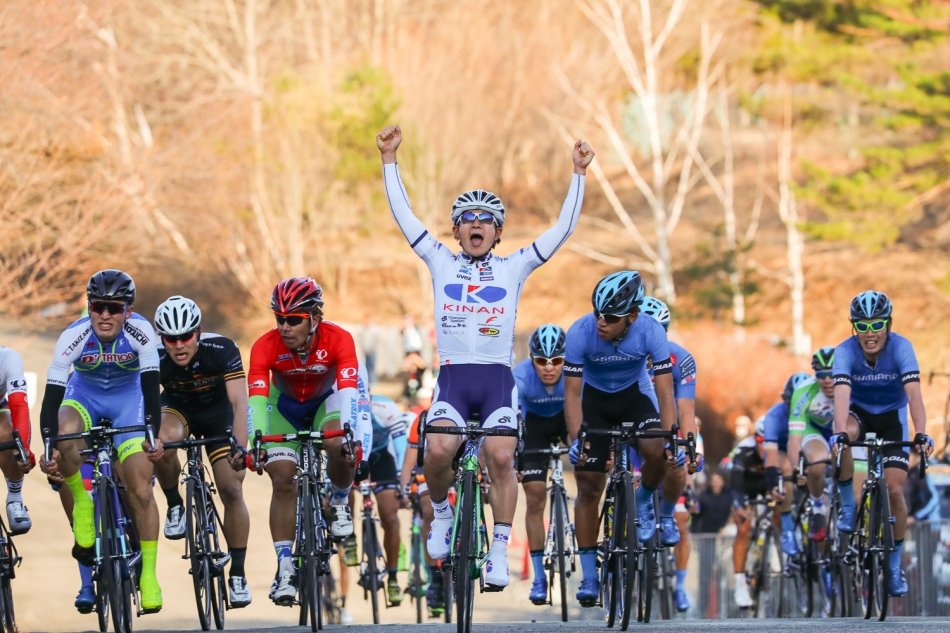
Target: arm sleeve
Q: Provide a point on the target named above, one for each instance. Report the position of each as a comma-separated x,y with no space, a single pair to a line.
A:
49,414
797,419
551,240
737,476
576,350
907,361
12,370
258,386
841,367
399,446
686,385
150,395
424,245
347,380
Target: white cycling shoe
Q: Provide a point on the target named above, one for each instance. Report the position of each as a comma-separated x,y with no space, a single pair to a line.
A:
238,594
440,537
496,572
285,592
175,523
743,599
18,518
341,521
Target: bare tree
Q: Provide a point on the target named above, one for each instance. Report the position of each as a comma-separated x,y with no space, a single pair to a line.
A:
788,211
670,163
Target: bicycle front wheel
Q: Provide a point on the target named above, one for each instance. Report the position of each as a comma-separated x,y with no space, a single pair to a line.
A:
110,551
310,547
102,605
610,587
218,583
770,579
626,563
559,510
370,561
466,554
418,560
6,608
886,545
196,534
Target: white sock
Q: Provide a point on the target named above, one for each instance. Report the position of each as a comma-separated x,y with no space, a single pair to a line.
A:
818,502
499,541
15,491
740,579
341,496
442,509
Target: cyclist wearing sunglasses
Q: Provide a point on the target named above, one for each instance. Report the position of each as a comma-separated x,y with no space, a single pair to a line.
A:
204,384
876,379
14,415
684,394
606,383
747,480
114,355
304,374
476,299
540,381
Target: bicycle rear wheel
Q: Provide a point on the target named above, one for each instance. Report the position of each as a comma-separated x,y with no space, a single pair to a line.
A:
417,592
466,553
6,605
102,605
628,563
448,589
196,535
560,560
371,567
665,577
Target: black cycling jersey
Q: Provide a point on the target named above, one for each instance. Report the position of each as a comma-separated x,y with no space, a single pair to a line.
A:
747,478
200,384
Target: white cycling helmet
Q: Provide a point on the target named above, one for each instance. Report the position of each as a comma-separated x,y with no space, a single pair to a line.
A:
177,315
479,200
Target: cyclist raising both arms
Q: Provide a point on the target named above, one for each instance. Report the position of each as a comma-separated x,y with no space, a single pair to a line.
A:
540,381
876,378
476,299
291,387
116,376
14,415
204,385
684,393
606,383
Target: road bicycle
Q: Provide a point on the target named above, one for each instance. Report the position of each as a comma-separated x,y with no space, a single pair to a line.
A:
765,563
560,547
312,549
117,565
469,550
872,541
373,563
9,558
809,571
664,572
627,566
418,569
202,547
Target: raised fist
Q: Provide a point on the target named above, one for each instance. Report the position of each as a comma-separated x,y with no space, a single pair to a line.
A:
583,155
389,139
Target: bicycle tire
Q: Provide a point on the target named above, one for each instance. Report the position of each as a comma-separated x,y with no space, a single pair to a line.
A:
560,529
311,541
864,529
102,606
886,546
6,597
195,533
664,585
448,590
466,554
417,592
771,594
370,558
110,566
629,563
218,582
608,579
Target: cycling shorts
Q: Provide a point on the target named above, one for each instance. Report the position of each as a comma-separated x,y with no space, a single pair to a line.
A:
418,485
125,407
382,471
4,406
890,426
287,415
541,432
604,410
776,433
487,390
212,421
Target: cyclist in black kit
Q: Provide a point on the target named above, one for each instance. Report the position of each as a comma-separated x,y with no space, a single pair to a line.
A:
203,387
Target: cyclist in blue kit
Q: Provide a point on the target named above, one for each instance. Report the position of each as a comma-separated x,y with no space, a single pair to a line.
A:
877,378
540,381
606,383
476,301
114,355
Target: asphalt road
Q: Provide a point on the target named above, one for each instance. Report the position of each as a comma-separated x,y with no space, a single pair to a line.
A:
917,625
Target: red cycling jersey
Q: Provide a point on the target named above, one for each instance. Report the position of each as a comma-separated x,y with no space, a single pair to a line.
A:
332,357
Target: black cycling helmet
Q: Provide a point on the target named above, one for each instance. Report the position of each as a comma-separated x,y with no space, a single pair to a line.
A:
111,285
548,341
823,359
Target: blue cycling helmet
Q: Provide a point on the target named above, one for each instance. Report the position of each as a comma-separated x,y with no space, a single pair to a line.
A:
871,304
793,383
656,309
548,341
823,358
618,293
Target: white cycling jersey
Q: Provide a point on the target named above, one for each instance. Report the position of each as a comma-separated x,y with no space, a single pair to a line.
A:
12,378
476,301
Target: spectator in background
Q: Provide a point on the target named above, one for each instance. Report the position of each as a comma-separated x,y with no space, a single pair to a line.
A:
411,337
713,507
923,501
369,342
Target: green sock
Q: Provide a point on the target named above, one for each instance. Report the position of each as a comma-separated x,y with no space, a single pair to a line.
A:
78,488
149,552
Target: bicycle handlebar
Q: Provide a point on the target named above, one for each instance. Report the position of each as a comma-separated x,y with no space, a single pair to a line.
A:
881,444
553,451
15,445
204,441
473,432
104,430
627,433
301,436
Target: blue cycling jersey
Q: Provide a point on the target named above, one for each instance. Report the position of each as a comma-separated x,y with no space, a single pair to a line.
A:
614,366
684,372
533,395
880,388
104,366
776,425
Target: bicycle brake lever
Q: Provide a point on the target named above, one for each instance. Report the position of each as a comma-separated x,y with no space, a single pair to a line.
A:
47,445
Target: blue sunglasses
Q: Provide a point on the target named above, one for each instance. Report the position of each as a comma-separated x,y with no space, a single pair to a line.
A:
470,216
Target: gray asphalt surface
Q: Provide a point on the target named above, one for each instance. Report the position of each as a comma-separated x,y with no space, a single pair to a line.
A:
917,625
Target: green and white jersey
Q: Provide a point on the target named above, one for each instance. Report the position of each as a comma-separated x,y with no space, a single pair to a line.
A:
812,411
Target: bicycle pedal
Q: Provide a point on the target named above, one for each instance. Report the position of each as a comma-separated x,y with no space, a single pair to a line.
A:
492,588
151,611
